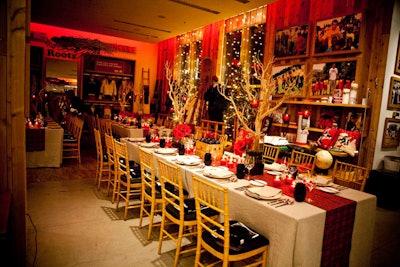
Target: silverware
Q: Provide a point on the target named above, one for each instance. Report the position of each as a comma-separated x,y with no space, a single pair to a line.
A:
283,202
281,205
277,202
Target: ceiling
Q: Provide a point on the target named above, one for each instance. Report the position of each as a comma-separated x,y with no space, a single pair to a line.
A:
142,20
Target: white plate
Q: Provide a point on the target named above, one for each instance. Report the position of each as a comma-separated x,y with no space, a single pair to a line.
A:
274,167
165,151
217,172
258,182
188,160
274,172
265,192
329,190
261,197
137,139
148,144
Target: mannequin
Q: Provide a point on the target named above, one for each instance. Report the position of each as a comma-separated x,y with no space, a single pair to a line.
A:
108,89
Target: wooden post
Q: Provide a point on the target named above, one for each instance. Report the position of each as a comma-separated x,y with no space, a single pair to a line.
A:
13,33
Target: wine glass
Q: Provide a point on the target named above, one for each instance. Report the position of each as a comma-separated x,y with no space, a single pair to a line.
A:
249,164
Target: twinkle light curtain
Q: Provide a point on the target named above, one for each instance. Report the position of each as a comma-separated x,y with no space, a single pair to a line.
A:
244,38
241,26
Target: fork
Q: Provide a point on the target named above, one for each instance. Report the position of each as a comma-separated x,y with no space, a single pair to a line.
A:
286,201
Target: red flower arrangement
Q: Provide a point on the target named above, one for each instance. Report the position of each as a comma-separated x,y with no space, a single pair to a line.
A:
182,130
244,139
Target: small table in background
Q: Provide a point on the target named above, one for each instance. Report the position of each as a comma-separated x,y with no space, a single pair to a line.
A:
123,130
51,156
385,185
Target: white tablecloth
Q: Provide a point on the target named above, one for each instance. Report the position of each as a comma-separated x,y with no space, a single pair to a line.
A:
51,156
295,231
126,131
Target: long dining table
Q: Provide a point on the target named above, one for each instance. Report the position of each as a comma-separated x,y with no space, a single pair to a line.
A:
124,130
300,234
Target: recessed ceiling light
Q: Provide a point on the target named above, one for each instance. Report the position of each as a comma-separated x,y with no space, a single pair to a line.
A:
181,2
141,26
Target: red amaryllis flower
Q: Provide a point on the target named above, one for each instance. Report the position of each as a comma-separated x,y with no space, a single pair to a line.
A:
182,130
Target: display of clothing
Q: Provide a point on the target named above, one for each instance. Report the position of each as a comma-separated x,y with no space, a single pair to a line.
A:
108,88
91,87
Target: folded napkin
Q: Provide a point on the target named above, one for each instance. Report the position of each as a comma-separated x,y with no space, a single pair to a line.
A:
265,192
151,144
275,167
216,172
276,140
322,181
188,160
329,190
165,150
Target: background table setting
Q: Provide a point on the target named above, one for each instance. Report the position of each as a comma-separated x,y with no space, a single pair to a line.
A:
125,130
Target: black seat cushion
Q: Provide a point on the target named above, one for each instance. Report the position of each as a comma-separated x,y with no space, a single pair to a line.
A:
148,192
70,139
170,188
190,210
134,168
242,238
134,180
68,134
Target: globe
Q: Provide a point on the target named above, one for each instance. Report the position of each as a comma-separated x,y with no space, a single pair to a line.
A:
323,159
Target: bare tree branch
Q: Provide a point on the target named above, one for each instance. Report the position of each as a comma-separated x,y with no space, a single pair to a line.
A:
263,94
182,94
125,88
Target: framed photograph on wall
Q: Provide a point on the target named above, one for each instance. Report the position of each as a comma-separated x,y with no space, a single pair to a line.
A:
391,134
285,76
291,41
397,62
394,93
327,76
340,34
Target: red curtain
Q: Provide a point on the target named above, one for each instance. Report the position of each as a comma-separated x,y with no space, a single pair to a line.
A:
166,52
210,43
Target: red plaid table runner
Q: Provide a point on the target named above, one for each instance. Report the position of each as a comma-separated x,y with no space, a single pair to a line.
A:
340,214
35,140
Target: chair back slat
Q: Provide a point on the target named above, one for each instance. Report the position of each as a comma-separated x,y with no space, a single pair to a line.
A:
121,153
213,196
270,153
147,169
303,161
171,175
350,175
99,149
